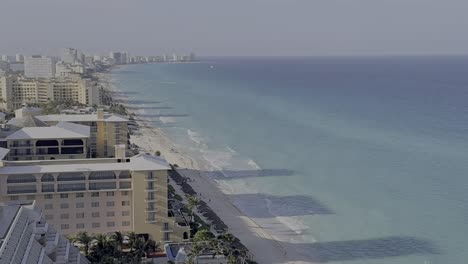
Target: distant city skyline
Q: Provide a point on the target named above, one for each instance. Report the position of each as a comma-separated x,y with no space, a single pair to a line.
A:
236,28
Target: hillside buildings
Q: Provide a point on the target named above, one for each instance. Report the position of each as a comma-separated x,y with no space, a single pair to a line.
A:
98,195
37,66
25,237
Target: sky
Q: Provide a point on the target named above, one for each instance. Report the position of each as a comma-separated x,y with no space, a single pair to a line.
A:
236,27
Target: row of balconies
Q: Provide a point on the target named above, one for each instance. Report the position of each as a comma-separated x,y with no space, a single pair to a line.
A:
72,187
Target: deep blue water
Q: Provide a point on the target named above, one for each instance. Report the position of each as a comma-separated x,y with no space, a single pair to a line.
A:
346,160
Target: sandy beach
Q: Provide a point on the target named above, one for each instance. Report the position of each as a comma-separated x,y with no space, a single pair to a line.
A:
264,247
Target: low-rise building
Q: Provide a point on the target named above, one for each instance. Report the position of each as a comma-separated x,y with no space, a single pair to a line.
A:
63,141
98,195
25,237
107,130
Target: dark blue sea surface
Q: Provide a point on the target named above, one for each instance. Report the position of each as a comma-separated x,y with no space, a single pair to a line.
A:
345,160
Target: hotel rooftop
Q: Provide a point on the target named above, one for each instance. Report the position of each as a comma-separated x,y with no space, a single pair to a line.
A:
82,118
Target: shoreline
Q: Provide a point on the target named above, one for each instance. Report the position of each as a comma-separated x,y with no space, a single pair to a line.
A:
264,247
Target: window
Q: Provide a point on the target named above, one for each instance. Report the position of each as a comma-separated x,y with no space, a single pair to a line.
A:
79,205
125,193
110,224
64,226
125,203
166,236
110,193
14,198
79,195
79,215
48,196
110,214
110,204
49,217
49,206
30,197
64,206
95,194
64,216
79,226
166,226
125,213
126,223
63,195
95,204
95,214
96,225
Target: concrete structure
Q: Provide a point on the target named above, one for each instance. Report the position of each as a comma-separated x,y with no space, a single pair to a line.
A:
28,111
16,91
66,70
26,238
19,58
63,141
69,55
39,67
98,195
107,130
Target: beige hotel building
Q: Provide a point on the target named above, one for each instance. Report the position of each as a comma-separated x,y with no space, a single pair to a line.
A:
98,195
15,90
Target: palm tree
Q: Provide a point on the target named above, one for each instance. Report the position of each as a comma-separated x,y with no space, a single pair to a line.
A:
118,239
203,235
192,204
132,240
140,249
195,250
85,240
103,248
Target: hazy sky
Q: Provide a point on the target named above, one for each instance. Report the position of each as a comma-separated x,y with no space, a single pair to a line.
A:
236,27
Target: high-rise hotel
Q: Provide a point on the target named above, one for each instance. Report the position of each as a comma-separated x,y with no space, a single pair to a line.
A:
98,195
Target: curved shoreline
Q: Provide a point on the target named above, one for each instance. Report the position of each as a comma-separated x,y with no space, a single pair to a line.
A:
265,247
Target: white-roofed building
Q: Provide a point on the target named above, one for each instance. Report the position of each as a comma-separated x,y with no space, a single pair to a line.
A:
98,195
107,130
26,237
26,111
63,141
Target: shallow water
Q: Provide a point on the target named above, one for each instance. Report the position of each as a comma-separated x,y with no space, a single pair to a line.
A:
346,160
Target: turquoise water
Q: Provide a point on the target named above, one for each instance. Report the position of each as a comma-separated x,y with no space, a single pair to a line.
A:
345,160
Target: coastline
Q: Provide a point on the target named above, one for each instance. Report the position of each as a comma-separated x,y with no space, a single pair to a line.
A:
264,247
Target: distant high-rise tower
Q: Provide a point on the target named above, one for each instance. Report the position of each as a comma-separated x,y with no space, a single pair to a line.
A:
19,58
38,66
174,57
69,55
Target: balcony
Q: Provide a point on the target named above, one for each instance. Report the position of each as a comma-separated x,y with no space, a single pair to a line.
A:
151,220
151,210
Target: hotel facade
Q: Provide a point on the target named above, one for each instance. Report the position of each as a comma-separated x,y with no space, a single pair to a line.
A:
98,195
107,130
16,91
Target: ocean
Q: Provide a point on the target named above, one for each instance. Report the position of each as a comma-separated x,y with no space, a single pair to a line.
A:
343,159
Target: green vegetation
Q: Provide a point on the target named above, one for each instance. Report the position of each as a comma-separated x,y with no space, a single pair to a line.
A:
112,249
157,153
54,107
118,109
227,244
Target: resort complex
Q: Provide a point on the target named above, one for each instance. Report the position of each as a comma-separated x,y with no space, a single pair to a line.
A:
72,177
126,194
